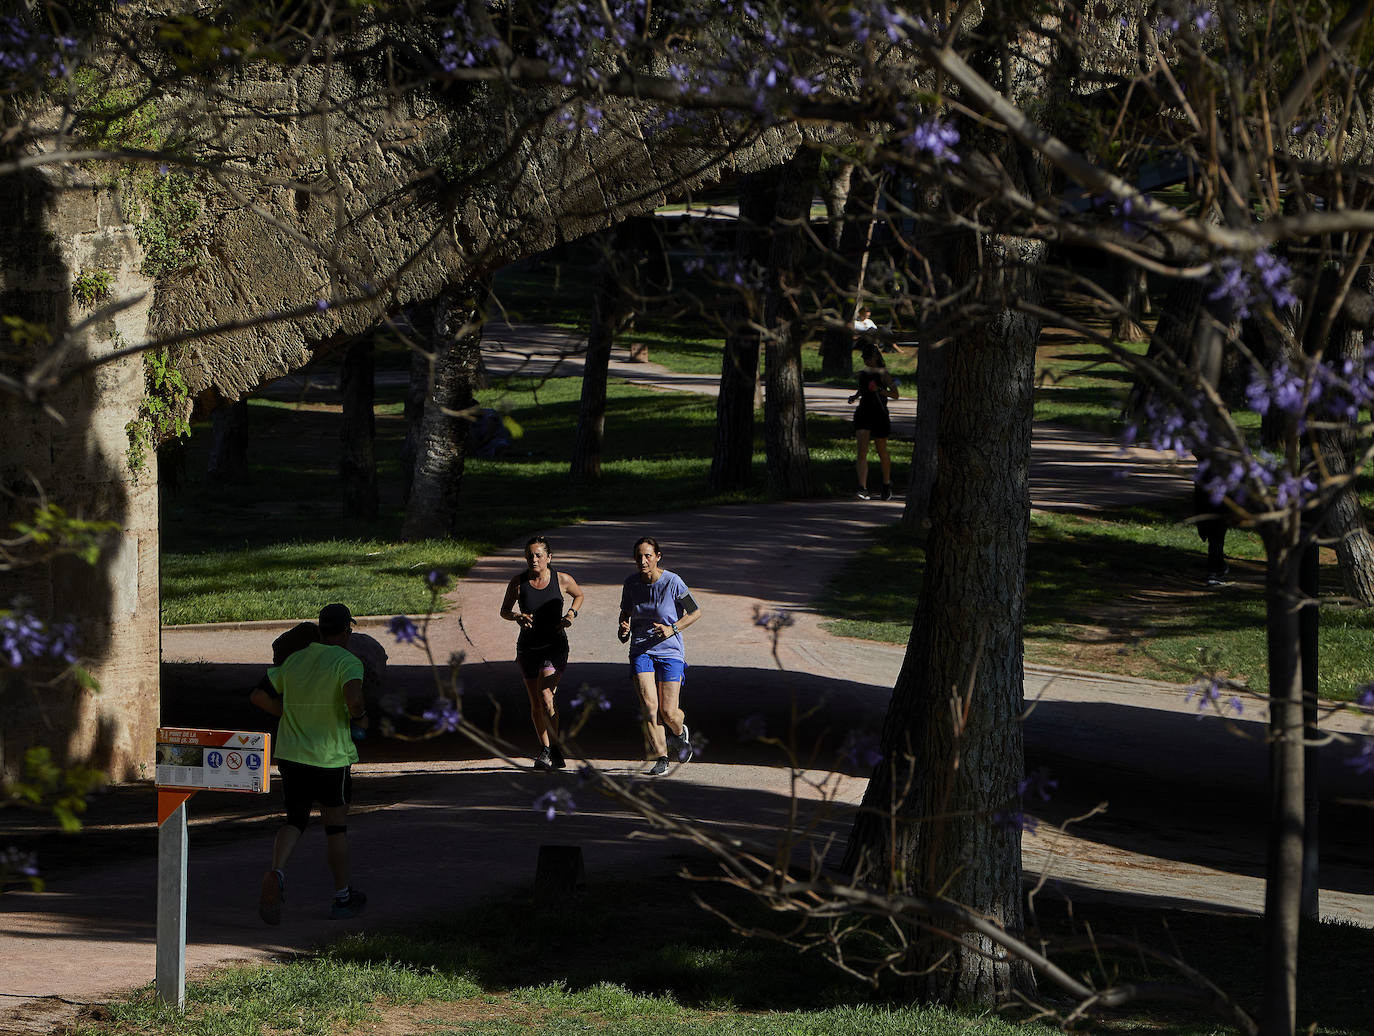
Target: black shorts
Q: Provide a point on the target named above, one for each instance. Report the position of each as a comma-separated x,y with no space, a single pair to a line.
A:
876,422
303,785
531,660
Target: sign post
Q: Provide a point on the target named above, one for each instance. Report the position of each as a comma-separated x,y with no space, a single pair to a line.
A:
188,761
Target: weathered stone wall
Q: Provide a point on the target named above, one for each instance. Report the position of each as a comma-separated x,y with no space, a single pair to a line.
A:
409,192
74,452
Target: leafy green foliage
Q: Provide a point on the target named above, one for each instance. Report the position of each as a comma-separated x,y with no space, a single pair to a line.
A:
63,790
168,230
163,413
51,532
92,286
113,116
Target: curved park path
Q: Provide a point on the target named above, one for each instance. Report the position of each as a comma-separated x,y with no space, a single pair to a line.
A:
438,826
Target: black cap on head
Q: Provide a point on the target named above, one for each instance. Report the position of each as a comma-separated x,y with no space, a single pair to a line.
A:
335,619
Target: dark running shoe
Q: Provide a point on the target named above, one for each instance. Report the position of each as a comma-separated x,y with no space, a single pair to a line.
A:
556,759
544,760
681,744
351,906
272,896
887,490
660,766
863,494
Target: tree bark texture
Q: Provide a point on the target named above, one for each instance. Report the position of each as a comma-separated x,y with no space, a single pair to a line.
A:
784,405
456,347
1130,288
733,458
931,364
941,812
850,268
358,432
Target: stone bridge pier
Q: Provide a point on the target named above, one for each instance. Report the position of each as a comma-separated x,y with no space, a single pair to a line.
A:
71,448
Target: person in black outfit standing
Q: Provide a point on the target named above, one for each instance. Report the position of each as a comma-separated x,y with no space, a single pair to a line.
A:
542,649
871,420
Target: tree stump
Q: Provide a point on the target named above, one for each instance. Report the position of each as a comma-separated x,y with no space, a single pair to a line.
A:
559,876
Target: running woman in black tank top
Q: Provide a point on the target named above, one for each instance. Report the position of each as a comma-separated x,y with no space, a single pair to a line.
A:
542,648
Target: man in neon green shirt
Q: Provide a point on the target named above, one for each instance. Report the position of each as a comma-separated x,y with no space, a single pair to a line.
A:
320,690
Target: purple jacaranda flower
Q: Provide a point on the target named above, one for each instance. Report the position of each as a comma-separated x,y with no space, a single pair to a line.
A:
552,801
1274,277
26,639
444,716
772,621
1015,820
437,579
404,630
15,862
1038,783
752,728
321,304
1364,696
591,698
1363,759
936,138
861,750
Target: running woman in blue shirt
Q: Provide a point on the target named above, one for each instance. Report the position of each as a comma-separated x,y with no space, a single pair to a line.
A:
655,608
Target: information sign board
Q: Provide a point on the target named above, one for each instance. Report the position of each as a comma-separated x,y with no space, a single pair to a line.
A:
212,760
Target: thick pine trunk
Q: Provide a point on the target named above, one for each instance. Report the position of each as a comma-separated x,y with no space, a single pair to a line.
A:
456,347
417,389
358,432
954,832
1130,287
932,361
733,459
784,408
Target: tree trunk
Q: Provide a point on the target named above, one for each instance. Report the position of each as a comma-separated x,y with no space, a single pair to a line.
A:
1283,884
946,791
931,366
456,345
835,194
617,293
784,406
358,432
228,464
417,388
850,268
733,459
1128,284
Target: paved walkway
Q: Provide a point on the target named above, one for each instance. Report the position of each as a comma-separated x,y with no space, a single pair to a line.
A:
439,826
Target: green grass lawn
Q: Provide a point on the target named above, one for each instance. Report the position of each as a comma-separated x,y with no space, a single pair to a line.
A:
1119,594
267,550
609,964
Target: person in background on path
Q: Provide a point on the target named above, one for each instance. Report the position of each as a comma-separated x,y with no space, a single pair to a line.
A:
542,648
320,688
1211,528
863,320
871,420
655,608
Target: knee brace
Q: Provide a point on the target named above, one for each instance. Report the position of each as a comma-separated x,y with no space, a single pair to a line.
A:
335,829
